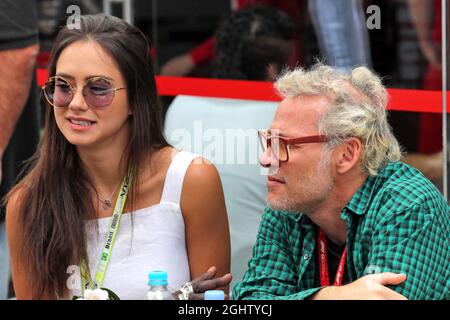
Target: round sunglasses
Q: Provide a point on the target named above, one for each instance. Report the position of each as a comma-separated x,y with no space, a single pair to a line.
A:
98,92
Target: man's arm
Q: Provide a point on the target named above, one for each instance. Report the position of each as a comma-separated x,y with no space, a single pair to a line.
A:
16,69
271,274
415,242
410,254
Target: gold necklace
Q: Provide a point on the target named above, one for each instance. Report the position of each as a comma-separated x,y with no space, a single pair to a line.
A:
107,201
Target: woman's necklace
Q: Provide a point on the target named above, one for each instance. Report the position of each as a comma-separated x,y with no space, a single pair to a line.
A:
107,201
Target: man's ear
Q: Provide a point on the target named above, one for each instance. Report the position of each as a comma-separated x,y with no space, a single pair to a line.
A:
349,154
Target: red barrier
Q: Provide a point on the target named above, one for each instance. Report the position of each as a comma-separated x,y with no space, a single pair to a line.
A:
400,99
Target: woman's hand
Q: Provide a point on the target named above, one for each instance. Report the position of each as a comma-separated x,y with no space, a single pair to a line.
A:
206,281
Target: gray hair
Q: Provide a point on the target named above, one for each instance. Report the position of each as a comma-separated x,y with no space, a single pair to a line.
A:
359,109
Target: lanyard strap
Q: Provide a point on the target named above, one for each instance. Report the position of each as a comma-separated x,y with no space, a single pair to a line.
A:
109,241
323,262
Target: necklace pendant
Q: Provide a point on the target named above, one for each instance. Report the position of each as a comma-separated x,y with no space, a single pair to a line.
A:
106,204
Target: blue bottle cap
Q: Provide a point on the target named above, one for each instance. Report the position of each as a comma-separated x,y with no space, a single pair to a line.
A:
214,295
157,278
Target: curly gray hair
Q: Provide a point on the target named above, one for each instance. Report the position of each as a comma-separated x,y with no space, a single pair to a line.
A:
359,109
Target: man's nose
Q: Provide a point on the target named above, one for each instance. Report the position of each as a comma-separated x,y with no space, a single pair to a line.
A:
267,159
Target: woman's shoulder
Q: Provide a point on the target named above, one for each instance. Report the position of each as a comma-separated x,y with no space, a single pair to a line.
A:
197,166
201,171
185,176
198,172
14,199
201,182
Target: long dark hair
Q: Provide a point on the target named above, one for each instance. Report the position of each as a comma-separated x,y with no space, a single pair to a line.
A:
249,40
55,196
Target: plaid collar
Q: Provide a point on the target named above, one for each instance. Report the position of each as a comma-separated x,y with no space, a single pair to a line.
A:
360,201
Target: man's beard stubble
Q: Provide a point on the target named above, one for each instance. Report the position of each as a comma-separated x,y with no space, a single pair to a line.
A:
316,192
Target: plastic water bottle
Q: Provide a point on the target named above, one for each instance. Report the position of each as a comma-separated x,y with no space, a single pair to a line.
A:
157,280
214,295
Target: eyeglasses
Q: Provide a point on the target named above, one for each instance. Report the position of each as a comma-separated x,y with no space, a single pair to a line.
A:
280,145
98,92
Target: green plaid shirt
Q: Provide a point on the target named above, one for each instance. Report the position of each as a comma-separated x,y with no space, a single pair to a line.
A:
396,222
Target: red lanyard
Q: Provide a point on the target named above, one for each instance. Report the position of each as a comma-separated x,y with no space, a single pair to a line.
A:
323,262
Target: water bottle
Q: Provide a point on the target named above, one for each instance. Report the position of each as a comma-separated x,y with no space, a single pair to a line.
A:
214,295
157,280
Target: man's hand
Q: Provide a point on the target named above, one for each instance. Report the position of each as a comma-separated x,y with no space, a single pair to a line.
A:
370,287
206,282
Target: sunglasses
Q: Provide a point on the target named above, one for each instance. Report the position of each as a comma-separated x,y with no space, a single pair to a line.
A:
98,92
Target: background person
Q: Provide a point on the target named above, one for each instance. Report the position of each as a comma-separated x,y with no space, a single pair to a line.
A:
426,17
340,26
19,114
204,53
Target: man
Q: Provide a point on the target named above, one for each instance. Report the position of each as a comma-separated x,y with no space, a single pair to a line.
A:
19,121
345,220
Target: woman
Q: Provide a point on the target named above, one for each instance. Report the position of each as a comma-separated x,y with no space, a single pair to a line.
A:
103,140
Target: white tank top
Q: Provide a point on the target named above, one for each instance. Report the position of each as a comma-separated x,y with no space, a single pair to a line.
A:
155,241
